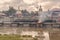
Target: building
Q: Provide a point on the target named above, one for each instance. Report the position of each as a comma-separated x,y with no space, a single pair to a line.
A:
50,18
55,14
43,15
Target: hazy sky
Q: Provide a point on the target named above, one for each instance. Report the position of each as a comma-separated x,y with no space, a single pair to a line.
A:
29,4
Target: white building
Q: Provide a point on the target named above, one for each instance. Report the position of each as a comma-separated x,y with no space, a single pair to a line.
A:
53,14
43,15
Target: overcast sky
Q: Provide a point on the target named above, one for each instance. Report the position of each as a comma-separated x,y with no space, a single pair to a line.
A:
29,4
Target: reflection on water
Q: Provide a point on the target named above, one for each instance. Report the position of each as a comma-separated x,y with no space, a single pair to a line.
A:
40,33
46,34
34,32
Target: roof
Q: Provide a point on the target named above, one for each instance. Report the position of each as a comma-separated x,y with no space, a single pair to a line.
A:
56,9
2,14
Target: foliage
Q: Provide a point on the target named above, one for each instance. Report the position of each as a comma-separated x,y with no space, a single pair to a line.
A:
10,12
25,13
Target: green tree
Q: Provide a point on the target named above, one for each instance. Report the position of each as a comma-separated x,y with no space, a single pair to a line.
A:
10,12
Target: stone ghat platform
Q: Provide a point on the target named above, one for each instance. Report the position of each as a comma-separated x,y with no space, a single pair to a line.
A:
36,25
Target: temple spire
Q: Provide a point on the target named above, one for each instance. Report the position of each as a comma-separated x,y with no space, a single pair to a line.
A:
40,9
19,8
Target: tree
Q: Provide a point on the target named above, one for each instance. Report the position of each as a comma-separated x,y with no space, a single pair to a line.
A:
10,12
25,13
